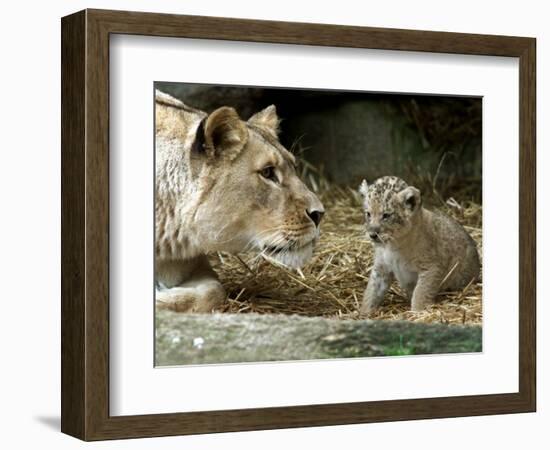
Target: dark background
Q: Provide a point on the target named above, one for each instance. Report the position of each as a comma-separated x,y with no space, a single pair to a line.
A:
433,142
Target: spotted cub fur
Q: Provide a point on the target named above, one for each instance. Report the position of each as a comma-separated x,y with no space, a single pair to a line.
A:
425,251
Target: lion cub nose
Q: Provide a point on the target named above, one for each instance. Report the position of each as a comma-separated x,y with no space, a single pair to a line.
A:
315,216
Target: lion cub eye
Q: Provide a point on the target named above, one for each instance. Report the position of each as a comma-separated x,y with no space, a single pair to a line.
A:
386,216
269,173
368,214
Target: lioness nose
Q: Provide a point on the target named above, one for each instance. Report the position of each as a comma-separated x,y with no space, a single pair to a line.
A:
315,216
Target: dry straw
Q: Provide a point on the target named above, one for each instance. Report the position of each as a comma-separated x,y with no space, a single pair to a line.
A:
332,283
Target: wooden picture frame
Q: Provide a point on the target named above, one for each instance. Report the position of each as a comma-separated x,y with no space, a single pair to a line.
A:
85,224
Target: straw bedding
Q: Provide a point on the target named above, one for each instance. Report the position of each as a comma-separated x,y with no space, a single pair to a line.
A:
332,283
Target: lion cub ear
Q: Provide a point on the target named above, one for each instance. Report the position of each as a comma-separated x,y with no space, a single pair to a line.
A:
364,188
411,198
225,134
267,119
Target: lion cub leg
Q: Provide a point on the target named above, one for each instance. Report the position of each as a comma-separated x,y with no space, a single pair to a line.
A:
380,280
197,290
426,289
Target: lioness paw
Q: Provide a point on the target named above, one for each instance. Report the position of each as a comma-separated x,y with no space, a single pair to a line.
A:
191,300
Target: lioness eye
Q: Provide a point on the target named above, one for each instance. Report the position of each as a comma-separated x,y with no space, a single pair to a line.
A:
269,173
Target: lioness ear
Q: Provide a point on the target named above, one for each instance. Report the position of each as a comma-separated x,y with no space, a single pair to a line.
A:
363,188
411,197
267,118
225,134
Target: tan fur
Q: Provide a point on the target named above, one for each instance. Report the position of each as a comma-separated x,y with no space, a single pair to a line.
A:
425,251
213,197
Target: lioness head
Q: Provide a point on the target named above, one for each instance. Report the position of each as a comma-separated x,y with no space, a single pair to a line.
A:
390,207
249,195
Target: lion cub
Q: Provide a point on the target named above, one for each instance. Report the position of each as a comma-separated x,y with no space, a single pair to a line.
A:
425,251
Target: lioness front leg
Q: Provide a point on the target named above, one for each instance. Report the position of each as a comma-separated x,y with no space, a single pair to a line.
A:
200,296
426,289
379,283
199,291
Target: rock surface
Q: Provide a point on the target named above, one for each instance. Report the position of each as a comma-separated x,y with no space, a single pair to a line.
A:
353,135
183,339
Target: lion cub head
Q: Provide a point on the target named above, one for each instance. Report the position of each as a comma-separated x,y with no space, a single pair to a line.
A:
241,191
390,207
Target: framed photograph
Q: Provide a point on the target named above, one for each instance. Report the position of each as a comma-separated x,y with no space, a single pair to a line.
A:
270,224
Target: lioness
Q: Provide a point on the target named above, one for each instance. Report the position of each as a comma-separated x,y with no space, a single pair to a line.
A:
223,184
425,251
